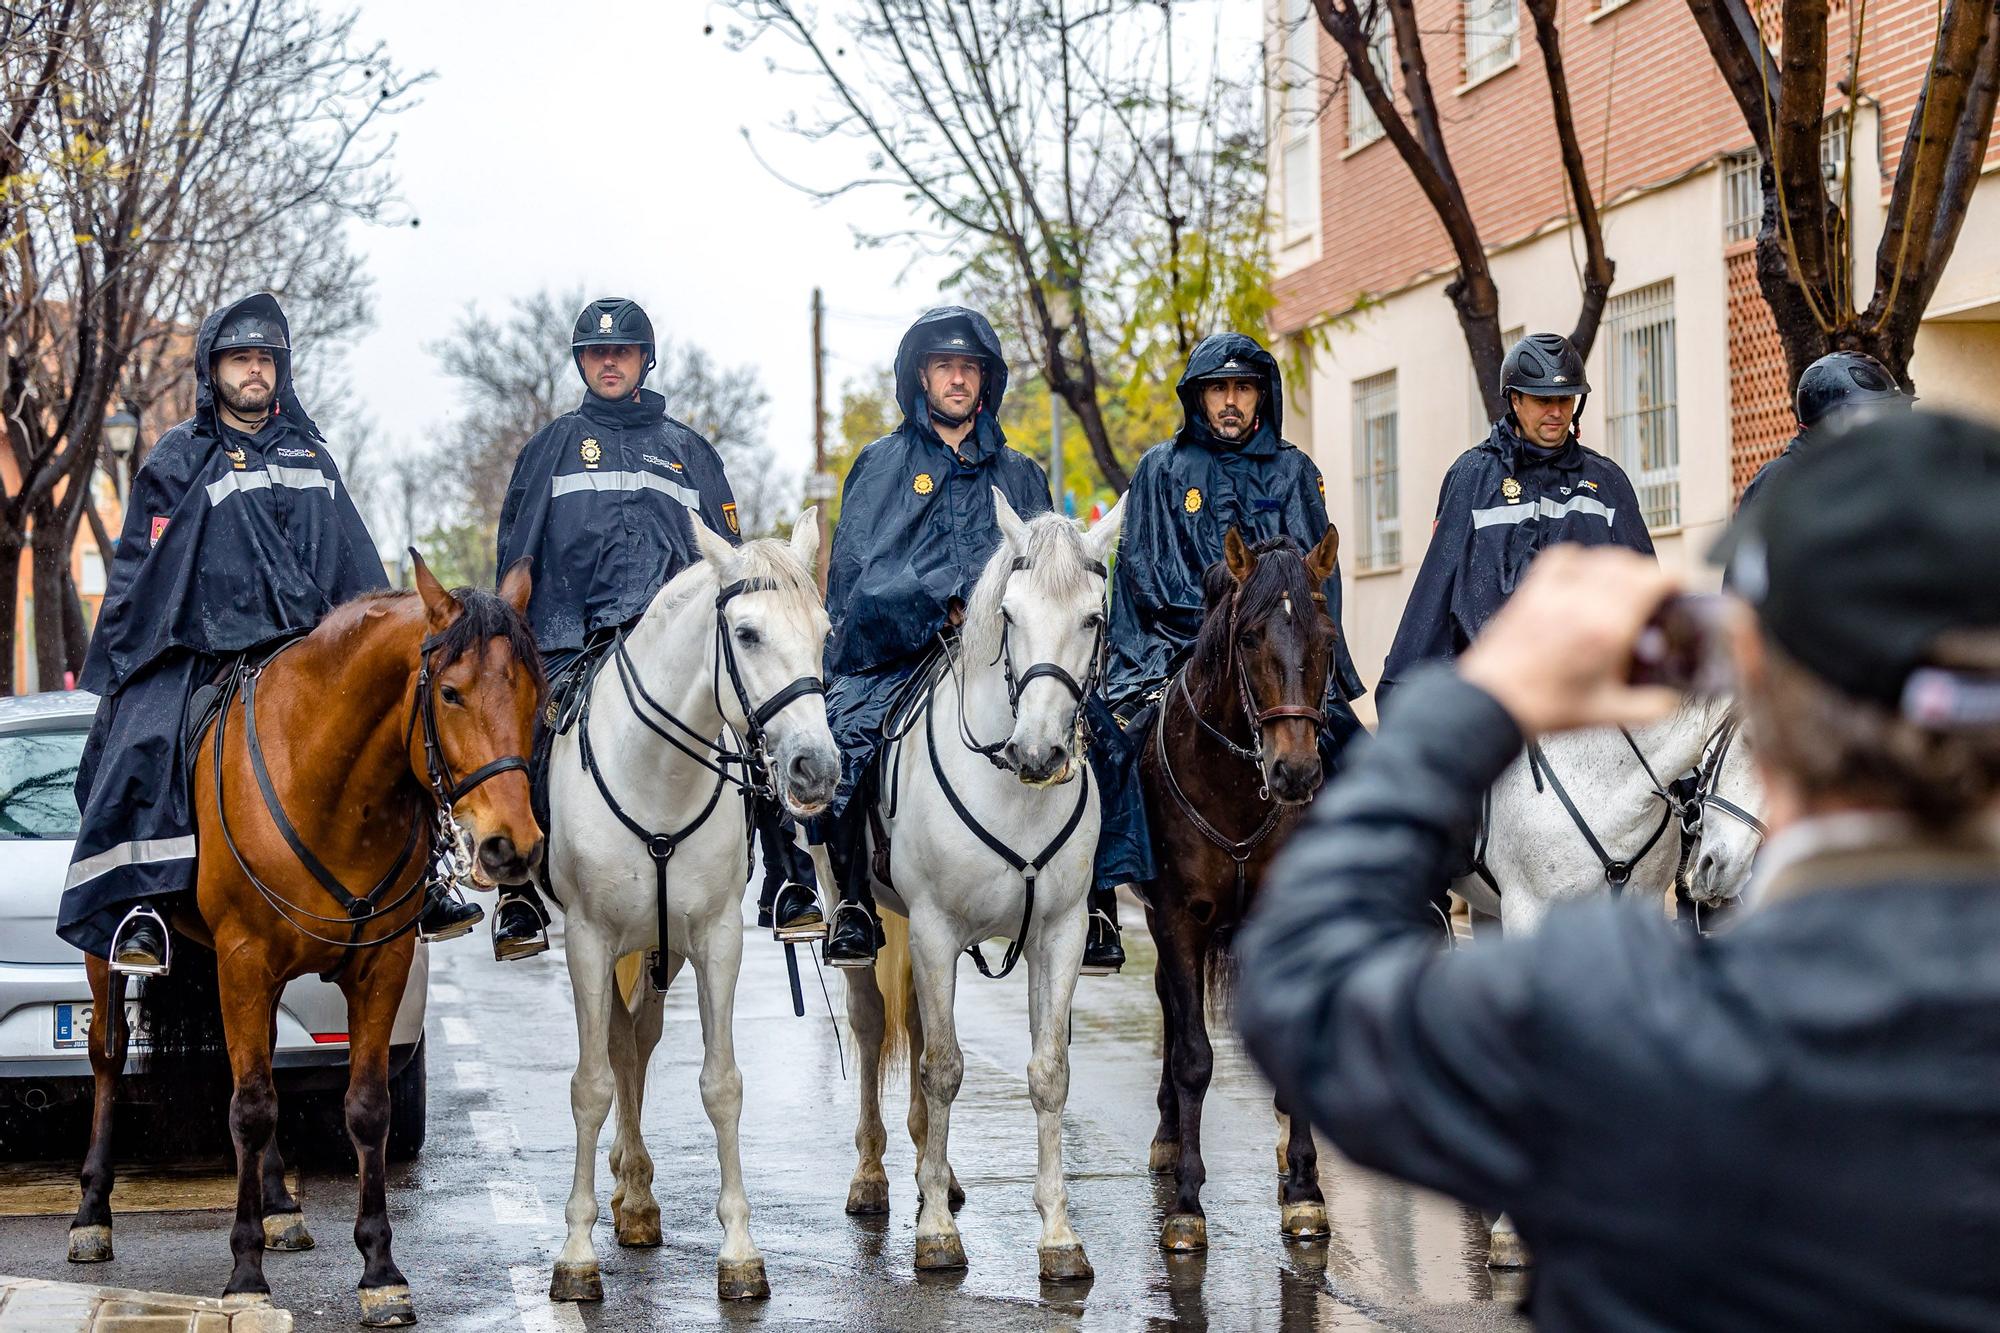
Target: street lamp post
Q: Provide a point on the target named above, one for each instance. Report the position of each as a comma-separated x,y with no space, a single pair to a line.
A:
121,437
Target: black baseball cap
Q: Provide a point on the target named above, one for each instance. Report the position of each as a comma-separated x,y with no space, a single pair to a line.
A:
1866,549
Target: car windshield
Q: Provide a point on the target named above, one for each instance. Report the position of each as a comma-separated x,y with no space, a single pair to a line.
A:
37,778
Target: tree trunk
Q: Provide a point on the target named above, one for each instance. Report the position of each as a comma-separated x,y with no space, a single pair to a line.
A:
49,572
10,607
76,634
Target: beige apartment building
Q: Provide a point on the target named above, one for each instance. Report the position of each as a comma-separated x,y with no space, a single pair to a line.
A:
1690,392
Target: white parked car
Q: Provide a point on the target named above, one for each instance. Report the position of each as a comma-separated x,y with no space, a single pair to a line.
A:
45,1008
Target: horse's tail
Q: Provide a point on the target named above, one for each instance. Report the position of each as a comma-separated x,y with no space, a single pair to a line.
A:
185,1062
897,982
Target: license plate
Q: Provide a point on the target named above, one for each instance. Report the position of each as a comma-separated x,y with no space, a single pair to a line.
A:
73,1027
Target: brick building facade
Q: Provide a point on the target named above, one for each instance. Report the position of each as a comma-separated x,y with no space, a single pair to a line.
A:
1691,393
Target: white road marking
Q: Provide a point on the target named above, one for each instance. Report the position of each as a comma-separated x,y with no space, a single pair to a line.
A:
446,992
539,1314
515,1203
458,1031
472,1074
495,1133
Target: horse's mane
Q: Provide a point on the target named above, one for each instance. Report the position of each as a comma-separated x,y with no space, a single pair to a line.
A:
1056,565
763,558
483,615
1270,583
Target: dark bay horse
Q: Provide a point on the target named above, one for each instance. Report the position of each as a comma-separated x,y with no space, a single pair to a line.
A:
1232,761
389,735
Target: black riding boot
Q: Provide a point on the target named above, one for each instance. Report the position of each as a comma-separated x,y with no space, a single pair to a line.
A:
789,902
140,945
1103,955
446,916
520,924
856,932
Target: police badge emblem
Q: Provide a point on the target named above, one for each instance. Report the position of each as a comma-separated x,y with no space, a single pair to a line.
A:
590,452
1191,502
729,517
236,459
1511,490
604,323
922,483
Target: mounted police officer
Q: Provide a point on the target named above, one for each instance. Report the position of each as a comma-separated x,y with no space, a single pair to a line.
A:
238,534
1228,466
916,530
1836,391
599,503
1529,485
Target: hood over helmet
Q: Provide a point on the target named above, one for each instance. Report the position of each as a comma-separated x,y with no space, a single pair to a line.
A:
949,328
1231,356
254,321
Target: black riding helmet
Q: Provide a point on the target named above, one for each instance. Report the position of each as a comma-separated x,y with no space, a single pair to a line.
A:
954,337
1544,365
1842,380
255,325
613,321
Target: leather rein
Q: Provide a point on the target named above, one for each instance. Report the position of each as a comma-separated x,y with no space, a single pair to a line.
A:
446,790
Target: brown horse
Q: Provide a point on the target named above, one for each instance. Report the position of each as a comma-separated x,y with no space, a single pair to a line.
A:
389,735
1232,761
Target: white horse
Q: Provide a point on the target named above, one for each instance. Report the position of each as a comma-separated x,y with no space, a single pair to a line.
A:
1032,636
733,642
1627,833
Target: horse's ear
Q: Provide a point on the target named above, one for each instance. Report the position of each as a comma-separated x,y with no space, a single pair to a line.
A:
517,584
1012,530
439,605
1322,558
1242,561
1102,538
805,537
714,547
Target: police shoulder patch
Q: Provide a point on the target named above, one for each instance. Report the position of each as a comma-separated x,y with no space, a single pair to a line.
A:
729,517
1191,502
922,483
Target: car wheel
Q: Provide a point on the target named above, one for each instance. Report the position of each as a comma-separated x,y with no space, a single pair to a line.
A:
409,1096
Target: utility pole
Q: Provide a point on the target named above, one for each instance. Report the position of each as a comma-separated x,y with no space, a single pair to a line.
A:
822,484
1055,451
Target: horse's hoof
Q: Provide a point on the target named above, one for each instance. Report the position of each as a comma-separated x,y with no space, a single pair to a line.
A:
743,1281
577,1282
387,1307
868,1198
939,1252
89,1245
1304,1221
245,1300
639,1231
1505,1250
1165,1157
1184,1232
286,1231
1065,1263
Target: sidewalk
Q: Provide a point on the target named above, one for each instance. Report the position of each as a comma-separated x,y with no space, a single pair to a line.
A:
29,1305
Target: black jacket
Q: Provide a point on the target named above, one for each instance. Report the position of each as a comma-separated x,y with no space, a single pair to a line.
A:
1487,531
1791,1125
916,520
598,502
1186,494
230,540
1772,468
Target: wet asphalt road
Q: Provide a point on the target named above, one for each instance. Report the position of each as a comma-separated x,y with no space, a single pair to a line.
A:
478,1216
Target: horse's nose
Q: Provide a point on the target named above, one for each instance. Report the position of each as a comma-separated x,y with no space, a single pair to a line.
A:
810,778
505,863
1295,780
1037,768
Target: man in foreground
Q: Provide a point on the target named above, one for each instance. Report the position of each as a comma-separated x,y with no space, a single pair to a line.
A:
1784,1126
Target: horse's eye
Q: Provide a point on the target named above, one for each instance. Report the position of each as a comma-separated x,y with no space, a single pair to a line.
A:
748,637
1094,621
451,695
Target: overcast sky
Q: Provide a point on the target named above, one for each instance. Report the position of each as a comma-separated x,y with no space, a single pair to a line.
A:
598,145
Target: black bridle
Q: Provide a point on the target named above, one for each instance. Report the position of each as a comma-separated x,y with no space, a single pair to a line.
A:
1027,869
1715,753
358,911
752,758
1239,850
1617,872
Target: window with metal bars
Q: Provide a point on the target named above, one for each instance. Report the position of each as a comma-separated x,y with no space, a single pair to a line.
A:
1377,511
1298,80
1743,185
1492,37
1362,125
1640,417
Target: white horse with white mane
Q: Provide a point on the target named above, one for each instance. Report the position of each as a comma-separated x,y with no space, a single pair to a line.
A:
996,744
1594,811
643,808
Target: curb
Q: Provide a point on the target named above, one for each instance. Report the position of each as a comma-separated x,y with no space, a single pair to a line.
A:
30,1305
